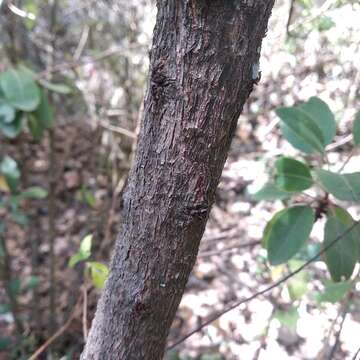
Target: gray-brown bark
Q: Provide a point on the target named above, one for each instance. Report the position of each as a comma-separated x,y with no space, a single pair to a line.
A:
203,65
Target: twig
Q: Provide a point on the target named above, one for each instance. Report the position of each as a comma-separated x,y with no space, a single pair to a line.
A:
58,333
356,354
83,40
52,187
19,12
267,289
117,129
291,11
337,338
228,248
82,62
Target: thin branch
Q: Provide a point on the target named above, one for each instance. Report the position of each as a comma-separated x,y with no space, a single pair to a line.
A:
82,62
356,354
117,129
264,291
252,243
47,343
337,337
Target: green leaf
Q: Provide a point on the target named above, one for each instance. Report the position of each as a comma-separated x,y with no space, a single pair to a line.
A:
83,253
341,257
58,88
44,113
5,341
20,90
7,113
270,192
343,186
333,292
9,169
298,285
37,131
5,308
32,282
288,318
88,197
34,192
288,232
356,129
292,175
99,273
14,286
321,114
300,130
13,129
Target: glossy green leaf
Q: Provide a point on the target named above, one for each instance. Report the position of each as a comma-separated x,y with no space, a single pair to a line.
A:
20,90
343,186
300,129
288,232
292,175
83,253
356,129
321,114
268,227
44,113
34,192
341,257
13,129
58,88
9,169
7,113
99,273
270,192
333,292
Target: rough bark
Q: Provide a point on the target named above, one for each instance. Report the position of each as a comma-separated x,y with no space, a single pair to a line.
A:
203,66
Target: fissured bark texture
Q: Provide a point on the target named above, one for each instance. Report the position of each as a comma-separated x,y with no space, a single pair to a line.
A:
203,65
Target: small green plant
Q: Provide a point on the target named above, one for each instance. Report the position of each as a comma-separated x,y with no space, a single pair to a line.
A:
310,127
24,102
95,271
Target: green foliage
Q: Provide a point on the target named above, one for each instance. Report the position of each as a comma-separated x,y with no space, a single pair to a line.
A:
292,175
356,129
288,318
270,192
23,101
288,232
98,272
83,253
344,187
342,256
9,169
19,89
310,127
333,292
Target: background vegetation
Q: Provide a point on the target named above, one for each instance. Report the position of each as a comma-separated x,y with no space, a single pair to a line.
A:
72,78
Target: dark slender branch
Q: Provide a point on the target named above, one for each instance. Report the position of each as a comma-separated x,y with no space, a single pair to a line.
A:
264,291
337,337
52,186
356,354
291,11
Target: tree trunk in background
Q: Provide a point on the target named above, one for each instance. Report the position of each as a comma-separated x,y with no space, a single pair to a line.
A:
203,65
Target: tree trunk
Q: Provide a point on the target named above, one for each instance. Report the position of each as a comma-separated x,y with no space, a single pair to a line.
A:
203,65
